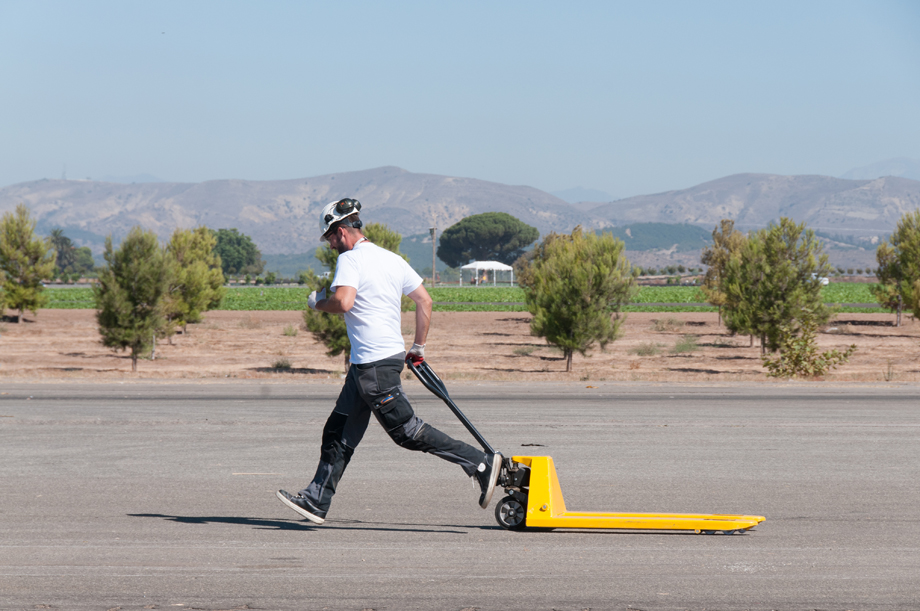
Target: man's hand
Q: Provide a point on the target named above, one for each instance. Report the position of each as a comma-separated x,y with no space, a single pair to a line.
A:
314,297
416,353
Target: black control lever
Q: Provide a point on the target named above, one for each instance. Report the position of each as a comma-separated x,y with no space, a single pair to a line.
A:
432,382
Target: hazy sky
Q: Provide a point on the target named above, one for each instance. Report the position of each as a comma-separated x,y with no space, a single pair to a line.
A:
629,98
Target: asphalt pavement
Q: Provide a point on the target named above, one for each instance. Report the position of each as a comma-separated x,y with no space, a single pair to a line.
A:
161,495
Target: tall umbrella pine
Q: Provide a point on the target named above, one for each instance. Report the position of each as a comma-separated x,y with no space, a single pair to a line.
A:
490,236
576,286
130,293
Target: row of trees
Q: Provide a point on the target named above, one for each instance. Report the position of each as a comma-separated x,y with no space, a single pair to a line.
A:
776,270
192,260
766,283
669,269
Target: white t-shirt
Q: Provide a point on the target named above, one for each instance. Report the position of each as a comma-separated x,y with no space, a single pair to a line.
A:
381,279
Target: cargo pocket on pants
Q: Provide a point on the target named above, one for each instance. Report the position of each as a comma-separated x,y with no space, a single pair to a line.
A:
393,409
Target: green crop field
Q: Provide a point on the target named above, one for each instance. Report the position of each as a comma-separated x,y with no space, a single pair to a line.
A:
70,299
470,299
477,295
669,294
848,292
265,298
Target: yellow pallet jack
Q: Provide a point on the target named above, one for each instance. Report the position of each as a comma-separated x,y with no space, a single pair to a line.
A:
534,497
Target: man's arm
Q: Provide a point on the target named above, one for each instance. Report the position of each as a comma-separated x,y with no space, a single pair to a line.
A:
340,301
422,313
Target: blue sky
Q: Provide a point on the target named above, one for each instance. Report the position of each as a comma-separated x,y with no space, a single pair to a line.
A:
628,98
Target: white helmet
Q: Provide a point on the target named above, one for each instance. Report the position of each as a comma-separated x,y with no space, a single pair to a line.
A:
333,212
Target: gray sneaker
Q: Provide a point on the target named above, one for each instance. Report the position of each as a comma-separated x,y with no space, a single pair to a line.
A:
487,475
302,506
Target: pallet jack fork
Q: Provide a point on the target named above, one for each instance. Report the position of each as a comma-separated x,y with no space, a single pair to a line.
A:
534,496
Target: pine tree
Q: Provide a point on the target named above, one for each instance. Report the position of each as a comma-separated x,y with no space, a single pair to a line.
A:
25,261
899,267
130,294
490,236
772,285
64,249
238,253
575,286
197,280
726,240
799,356
330,329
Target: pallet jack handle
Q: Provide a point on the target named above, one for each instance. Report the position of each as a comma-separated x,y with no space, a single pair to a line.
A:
432,382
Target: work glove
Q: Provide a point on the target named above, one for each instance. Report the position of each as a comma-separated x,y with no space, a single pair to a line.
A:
416,353
314,297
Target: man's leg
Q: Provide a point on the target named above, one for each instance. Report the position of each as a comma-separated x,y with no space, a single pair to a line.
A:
341,435
380,386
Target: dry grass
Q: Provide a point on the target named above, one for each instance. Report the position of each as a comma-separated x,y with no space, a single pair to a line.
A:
685,344
247,322
646,349
670,324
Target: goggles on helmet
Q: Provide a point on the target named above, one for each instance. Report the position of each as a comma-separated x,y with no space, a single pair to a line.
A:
335,212
343,208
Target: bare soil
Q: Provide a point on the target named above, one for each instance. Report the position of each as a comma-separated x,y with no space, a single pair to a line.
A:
64,344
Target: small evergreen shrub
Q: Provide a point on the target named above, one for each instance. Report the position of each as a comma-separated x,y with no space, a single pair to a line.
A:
799,357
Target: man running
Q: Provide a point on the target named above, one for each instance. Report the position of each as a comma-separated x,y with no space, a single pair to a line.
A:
367,288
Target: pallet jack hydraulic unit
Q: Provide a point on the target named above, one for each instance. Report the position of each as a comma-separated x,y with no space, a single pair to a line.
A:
534,498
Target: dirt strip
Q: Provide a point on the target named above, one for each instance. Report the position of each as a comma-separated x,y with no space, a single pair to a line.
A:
64,344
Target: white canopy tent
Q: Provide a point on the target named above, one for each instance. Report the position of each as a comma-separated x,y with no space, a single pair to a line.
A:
479,271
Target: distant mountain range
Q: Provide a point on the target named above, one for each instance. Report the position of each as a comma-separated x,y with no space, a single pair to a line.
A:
862,208
901,167
282,216
580,194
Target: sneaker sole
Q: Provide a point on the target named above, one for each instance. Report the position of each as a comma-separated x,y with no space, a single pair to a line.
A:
493,478
300,510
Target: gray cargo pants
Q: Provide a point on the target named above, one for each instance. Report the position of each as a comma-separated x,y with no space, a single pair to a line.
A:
376,388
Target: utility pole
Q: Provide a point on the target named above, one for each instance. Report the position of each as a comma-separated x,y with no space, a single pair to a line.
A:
434,273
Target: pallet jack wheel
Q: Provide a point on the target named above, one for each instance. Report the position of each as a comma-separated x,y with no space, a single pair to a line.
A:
511,514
